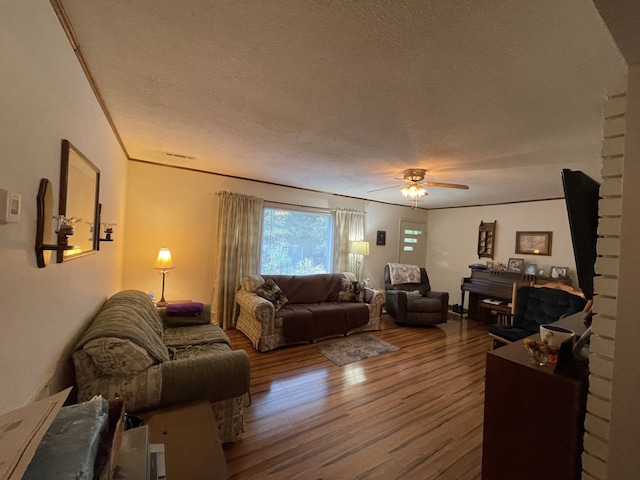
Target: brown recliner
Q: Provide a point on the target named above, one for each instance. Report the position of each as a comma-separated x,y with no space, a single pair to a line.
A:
408,307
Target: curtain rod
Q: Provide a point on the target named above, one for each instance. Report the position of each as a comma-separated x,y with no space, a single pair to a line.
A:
335,209
297,205
273,202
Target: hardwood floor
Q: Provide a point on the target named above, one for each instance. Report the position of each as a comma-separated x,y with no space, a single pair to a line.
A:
415,413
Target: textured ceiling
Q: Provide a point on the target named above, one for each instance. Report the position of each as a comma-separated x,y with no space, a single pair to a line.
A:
341,96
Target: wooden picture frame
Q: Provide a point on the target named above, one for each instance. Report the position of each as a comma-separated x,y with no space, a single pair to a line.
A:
381,237
79,198
533,243
559,272
531,269
486,239
515,265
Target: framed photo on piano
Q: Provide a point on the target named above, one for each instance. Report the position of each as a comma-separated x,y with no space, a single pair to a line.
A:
559,272
515,265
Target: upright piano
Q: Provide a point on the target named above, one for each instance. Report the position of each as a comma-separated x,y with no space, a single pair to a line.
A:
495,285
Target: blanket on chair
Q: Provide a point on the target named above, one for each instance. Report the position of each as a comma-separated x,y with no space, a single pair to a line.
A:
403,273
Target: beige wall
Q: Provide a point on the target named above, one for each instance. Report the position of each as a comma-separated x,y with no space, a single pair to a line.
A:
178,209
45,98
452,239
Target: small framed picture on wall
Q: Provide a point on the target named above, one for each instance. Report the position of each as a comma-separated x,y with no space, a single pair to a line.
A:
381,237
534,243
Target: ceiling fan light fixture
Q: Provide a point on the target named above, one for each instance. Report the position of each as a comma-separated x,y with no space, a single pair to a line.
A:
414,187
414,174
413,191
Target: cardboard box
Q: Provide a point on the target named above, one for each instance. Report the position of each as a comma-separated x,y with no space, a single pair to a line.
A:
111,441
191,441
22,430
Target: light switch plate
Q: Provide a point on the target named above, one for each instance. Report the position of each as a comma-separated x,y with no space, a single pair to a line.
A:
10,204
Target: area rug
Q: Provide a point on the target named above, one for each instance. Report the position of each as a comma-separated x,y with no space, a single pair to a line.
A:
354,349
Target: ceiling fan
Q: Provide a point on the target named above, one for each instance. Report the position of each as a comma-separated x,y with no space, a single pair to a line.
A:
414,187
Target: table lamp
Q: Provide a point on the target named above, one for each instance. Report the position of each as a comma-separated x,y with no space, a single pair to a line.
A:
163,263
359,249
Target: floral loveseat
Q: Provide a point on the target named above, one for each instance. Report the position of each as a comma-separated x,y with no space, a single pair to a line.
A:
277,310
138,352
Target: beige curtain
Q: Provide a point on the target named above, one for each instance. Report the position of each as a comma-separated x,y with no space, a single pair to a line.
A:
349,227
237,246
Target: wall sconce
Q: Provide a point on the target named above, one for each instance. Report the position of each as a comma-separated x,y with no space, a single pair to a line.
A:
108,228
65,228
43,227
163,263
108,231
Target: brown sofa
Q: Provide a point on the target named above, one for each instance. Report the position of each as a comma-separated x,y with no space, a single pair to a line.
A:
305,308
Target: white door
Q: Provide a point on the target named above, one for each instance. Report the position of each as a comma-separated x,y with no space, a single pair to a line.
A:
413,243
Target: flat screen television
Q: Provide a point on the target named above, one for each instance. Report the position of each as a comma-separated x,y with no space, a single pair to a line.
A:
581,194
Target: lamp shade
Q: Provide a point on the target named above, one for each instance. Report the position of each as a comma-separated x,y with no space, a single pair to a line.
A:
359,248
164,261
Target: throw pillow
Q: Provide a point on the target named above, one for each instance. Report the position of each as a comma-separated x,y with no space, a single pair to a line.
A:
368,295
351,291
250,283
350,276
347,291
273,293
362,290
118,356
414,293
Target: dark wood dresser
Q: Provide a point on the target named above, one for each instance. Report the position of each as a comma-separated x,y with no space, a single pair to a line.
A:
533,416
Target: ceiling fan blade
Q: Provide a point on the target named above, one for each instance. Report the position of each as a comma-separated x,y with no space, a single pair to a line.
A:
447,185
384,188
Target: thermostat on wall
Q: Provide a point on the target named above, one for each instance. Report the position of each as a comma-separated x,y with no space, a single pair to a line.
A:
9,206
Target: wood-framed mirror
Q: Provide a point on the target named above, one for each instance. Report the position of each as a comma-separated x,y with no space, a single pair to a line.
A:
79,200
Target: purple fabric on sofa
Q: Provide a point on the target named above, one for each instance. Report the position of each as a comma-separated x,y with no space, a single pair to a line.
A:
186,309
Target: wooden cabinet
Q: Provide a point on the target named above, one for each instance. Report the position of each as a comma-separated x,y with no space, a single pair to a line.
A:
486,239
533,416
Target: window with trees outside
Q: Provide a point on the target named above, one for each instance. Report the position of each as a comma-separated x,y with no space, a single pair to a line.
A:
296,242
